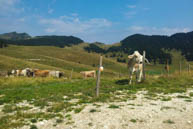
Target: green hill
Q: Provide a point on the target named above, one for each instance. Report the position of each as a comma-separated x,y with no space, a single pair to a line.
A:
154,45
47,57
40,52
15,36
26,40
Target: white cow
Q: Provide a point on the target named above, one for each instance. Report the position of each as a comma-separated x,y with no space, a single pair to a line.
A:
135,65
91,73
57,74
23,72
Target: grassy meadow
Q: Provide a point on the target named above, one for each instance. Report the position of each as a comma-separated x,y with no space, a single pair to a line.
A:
51,96
68,58
65,59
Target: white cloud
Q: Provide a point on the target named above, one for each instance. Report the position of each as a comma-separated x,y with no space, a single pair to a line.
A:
136,28
50,30
8,2
146,9
69,25
156,30
131,6
8,7
130,14
50,11
21,19
74,14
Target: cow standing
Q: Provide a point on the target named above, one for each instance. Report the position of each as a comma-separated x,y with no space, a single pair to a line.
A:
88,73
57,74
40,73
135,65
24,72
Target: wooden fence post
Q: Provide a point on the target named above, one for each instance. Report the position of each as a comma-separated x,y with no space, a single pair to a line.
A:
168,68
143,65
98,77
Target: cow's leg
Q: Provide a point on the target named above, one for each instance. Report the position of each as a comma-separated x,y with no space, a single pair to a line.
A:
137,75
130,76
140,75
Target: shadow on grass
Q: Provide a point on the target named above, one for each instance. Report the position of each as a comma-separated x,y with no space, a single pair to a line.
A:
122,82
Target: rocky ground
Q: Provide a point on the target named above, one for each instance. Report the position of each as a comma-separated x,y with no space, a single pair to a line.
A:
140,113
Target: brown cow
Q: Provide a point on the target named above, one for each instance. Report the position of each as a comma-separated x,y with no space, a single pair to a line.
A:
41,73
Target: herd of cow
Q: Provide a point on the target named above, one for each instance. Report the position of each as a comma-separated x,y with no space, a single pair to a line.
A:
27,72
135,65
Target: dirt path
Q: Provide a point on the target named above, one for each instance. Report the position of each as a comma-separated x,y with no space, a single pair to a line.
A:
141,113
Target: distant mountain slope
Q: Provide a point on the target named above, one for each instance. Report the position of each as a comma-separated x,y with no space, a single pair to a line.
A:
60,41
24,39
154,45
183,42
15,36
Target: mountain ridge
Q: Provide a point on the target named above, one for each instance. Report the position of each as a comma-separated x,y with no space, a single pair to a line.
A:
45,40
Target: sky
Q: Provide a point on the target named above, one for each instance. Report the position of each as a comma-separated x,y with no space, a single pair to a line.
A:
107,21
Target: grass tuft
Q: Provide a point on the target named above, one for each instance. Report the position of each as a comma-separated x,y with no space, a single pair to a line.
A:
191,94
33,127
133,120
182,96
188,100
59,121
93,110
113,106
169,121
166,99
33,120
78,110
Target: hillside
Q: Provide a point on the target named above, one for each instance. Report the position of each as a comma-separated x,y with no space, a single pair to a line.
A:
25,39
154,45
71,53
47,57
15,36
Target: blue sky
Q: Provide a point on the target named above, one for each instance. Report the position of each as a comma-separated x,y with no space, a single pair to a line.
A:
107,21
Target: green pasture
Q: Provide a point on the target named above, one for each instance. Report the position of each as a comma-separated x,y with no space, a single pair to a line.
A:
74,57
54,95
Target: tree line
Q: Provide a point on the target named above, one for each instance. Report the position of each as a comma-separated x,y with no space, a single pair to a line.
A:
2,44
59,41
155,47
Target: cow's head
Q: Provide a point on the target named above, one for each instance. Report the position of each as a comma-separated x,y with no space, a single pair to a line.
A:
132,56
13,71
137,54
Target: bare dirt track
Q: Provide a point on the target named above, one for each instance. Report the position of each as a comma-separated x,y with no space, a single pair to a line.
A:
140,113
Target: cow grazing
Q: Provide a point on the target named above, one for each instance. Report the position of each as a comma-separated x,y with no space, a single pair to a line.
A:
25,72
88,73
135,65
40,73
57,74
